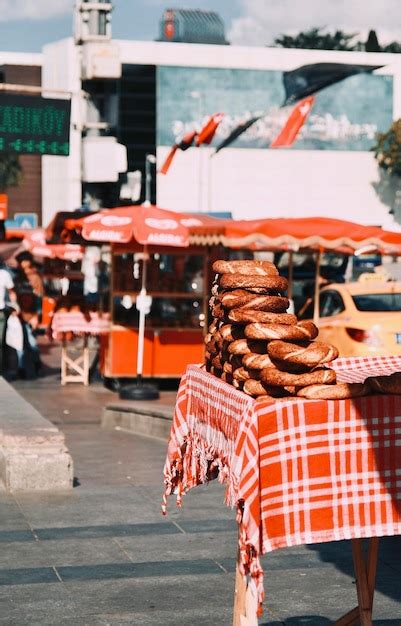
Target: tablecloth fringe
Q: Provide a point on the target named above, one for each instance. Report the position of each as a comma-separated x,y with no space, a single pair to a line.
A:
196,463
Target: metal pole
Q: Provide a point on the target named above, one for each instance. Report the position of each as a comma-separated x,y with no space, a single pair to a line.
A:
316,306
149,161
290,274
141,329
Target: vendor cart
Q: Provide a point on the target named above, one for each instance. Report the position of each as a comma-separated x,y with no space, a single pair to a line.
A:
178,285
177,250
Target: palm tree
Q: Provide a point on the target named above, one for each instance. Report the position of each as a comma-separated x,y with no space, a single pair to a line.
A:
10,171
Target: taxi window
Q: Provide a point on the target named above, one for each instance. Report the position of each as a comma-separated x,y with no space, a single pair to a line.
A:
389,302
331,303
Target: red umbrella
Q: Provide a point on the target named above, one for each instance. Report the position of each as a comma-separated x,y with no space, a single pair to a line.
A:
313,233
148,225
35,242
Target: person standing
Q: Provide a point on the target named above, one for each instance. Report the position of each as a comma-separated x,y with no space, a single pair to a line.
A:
6,290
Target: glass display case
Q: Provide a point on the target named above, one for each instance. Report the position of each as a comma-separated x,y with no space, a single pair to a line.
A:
174,280
178,281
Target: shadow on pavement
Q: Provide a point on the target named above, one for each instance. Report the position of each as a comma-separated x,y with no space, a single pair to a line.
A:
316,620
339,554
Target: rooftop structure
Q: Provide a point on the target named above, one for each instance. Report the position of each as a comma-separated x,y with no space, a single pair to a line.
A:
192,26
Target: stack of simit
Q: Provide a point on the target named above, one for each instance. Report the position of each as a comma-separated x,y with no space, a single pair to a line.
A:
253,343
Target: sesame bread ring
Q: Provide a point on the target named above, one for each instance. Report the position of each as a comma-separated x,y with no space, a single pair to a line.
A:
307,356
208,337
227,367
309,328
244,299
254,388
211,347
238,384
217,362
213,326
269,332
235,360
385,384
219,340
321,376
227,377
257,388
218,311
247,316
234,281
243,374
254,268
231,332
340,391
245,346
216,372
257,361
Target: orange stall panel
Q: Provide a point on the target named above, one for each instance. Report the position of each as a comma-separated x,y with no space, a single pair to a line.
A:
175,349
166,352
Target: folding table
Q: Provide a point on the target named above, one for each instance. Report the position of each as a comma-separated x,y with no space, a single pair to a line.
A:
298,471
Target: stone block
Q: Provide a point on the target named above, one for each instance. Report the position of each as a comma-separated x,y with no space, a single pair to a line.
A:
33,454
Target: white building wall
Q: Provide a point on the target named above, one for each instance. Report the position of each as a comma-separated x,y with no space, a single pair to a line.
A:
266,183
61,176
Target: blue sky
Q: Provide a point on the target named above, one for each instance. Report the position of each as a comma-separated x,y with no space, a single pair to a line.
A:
28,30
26,25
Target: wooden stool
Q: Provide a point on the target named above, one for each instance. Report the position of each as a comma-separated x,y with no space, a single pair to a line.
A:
75,370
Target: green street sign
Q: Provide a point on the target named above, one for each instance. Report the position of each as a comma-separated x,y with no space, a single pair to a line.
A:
34,125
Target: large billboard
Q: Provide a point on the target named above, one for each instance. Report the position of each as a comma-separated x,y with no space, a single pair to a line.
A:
345,116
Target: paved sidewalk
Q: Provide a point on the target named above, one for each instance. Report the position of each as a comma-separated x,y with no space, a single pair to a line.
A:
104,555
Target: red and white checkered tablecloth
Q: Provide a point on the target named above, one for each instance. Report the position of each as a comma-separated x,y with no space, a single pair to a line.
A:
300,471
78,323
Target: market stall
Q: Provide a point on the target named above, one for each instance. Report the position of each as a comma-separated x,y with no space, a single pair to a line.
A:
298,471
179,277
314,236
176,250
61,264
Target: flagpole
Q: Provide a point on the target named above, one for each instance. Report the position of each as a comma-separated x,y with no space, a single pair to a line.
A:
209,183
196,95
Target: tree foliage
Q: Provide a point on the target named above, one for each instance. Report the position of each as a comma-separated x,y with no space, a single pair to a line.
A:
372,44
10,171
394,47
317,39
388,149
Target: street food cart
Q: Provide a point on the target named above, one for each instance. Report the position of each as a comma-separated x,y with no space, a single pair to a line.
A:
177,250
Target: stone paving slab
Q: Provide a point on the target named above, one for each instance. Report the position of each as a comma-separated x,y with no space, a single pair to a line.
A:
104,555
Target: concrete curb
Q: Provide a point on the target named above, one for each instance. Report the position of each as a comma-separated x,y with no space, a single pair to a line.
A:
139,420
33,454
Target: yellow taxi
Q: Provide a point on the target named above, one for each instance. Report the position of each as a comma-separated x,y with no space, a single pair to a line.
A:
362,318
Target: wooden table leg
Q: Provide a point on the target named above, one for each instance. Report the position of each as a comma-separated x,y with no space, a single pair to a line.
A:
63,361
86,362
239,595
365,573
